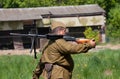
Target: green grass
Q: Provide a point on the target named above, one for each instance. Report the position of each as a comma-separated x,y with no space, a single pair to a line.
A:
16,67
97,65
93,65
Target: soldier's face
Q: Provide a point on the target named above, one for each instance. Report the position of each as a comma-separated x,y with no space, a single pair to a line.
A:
62,32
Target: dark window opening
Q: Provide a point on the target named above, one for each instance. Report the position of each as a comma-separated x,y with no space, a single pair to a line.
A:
78,31
43,30
26,42
6,43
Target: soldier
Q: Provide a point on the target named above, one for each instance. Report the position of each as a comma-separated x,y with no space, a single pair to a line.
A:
56,61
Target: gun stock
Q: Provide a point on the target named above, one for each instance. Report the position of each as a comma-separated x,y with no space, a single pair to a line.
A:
81,41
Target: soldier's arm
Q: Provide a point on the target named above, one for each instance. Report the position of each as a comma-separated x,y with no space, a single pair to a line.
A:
70,48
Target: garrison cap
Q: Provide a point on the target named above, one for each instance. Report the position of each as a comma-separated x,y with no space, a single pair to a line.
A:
55,24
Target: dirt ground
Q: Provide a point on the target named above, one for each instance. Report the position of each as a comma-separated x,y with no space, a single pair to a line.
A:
17,52
27,51
107,46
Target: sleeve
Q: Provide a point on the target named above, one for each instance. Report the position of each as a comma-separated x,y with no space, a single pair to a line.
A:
70,48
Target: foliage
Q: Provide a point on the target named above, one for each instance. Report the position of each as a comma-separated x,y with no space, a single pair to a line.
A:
90,34
19,3
113,28
92,65
106,4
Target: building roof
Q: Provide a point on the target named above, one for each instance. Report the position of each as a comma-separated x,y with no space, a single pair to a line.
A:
19,14
15,14
81,10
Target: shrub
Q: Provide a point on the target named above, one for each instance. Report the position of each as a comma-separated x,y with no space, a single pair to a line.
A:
90,34
113,28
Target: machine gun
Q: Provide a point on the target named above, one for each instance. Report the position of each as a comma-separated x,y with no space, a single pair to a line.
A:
48,36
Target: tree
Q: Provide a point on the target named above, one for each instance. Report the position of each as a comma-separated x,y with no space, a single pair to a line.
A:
113,28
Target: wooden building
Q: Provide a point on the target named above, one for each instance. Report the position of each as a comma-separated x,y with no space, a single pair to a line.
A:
38,20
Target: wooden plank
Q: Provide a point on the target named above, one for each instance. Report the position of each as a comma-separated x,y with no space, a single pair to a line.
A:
18,44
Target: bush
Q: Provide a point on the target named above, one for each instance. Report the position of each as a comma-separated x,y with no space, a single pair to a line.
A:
113,28
90,34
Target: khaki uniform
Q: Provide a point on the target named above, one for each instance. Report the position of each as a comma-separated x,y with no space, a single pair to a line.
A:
58,53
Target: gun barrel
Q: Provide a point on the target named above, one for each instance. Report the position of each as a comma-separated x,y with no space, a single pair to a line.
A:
28,35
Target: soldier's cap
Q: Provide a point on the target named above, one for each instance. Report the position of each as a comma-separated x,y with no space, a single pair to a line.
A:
56,24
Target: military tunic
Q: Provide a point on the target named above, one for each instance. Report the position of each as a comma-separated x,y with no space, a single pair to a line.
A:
58,53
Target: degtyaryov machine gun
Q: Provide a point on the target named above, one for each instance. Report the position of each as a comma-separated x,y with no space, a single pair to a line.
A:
34,37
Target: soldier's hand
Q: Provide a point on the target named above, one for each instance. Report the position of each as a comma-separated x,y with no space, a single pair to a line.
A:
92,43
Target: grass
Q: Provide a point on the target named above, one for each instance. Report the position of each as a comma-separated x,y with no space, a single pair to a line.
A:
97,65
16,67
93,65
